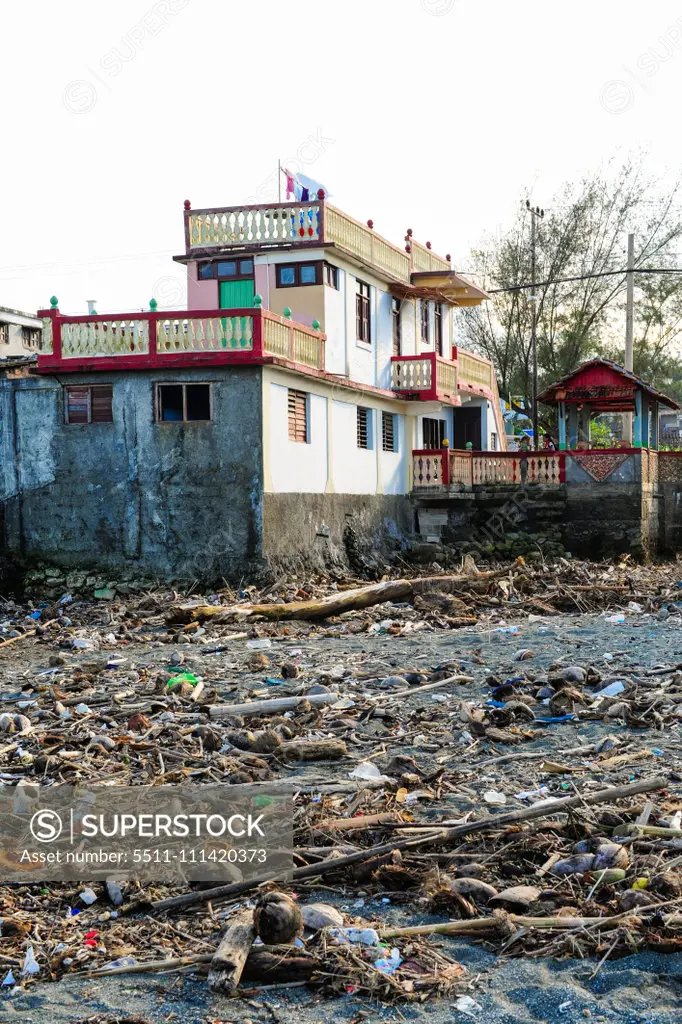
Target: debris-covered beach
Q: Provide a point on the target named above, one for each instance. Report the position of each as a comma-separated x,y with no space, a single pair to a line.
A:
487,778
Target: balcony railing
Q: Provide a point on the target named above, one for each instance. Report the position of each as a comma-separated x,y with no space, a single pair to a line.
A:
429,469
412,373
234,226
474,371
300,225
468,469
155,339
425,260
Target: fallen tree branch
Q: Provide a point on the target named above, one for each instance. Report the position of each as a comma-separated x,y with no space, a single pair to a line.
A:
540,810
334,604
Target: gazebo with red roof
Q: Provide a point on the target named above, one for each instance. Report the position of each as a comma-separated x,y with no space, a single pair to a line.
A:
602,386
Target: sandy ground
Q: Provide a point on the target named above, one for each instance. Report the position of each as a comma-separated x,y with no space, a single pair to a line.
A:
645,988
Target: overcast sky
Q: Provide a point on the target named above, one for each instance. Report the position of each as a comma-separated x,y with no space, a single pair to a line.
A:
439,115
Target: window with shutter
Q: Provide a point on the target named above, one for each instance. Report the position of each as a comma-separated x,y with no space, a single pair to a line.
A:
89,404
363,323
364,427
425,321
438,322
397,327
388,432
298,416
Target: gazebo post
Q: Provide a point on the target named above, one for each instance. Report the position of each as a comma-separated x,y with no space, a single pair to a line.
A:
655,412
572,425
562,426
637,425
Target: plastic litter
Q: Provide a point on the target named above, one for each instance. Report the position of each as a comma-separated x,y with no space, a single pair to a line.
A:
367,771
359,936
467,1005
611,690
183,677
30,966
390,964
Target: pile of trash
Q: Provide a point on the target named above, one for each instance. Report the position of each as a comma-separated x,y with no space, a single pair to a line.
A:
465,760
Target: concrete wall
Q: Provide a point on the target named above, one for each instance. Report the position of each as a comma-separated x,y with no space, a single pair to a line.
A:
334,529
171,498
331,461
201,294
296,467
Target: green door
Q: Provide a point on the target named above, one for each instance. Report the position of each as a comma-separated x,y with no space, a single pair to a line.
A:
236,294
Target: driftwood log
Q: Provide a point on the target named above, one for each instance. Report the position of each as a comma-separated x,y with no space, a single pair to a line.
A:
334,604
229,958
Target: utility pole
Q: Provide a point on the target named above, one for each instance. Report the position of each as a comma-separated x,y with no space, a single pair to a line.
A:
630,330
535,214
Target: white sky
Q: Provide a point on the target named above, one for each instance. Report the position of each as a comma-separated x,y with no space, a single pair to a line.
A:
437,115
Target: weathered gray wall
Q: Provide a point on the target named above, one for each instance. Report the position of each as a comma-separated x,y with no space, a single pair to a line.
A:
318,530
171,498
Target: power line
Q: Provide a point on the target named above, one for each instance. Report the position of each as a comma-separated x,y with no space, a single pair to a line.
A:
582,277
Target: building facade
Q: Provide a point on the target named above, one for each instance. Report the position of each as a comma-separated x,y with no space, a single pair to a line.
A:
19,333
280,419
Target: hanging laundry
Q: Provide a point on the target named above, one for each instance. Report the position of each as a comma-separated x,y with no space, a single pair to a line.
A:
290,186
305,195
312,185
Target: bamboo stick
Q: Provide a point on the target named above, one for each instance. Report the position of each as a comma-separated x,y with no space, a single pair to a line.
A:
541,810
270,706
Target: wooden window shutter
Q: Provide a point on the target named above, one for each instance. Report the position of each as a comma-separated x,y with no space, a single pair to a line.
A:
77,405
298,416
100,404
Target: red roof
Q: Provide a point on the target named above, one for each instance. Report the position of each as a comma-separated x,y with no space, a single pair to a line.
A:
602,382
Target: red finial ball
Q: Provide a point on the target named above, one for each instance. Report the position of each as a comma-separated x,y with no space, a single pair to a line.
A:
370,223
409,232
188,205
320,193
428,245
449,258
408,247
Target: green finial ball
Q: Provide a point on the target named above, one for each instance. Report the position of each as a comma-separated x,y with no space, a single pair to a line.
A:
316,325
153,305
258,300
287,312
54,301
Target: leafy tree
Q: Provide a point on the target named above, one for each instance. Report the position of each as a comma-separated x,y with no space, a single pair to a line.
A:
582,237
